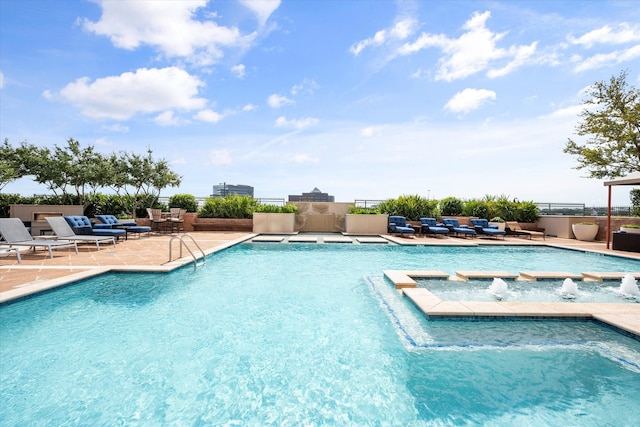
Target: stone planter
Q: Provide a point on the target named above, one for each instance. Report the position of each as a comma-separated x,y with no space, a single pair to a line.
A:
222,224
585,232
366,224
277,223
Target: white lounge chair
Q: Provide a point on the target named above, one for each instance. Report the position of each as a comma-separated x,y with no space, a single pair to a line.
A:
16,234
63,230
9,250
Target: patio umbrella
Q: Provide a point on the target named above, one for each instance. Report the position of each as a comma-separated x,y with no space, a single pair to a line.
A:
631,179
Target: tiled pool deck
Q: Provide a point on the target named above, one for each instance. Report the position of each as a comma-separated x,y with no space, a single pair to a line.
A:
38,272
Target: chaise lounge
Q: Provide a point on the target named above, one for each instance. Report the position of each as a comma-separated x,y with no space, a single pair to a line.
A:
430,226
398,225
81,225
460,230
482,227
62,230
15,233
110,221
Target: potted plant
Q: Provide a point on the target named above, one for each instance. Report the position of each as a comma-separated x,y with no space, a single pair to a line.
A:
497,222
585,231
274,219
630,228
365,221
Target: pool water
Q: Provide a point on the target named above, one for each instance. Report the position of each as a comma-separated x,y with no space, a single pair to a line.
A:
270,334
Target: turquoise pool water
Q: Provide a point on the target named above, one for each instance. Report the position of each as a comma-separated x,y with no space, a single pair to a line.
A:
269,334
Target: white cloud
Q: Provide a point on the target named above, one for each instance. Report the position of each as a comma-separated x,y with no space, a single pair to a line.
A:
304,158
262,9
400,31
371,131
469,100
239,71
179,161
169,26
561,113
219,157
208,116
116,128
282,122
1,80
166,118
148,90
474,51
277,101
624,33
308,86
609,59
250,107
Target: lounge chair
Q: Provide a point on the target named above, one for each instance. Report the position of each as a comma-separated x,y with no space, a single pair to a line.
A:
8,250
513,229
460,230
482,227
81,226
62,230
110,221
16,234
398,225
430,226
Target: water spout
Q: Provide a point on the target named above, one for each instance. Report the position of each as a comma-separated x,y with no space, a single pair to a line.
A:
569,289
498,288
629,286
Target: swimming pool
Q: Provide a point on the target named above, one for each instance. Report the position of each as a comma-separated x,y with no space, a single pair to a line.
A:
268,334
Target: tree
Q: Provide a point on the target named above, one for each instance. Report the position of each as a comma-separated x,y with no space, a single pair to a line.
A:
139,176
611,120
9,165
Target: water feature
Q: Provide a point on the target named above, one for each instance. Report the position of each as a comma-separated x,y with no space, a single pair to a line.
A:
498,288
300,335
629,286
569,289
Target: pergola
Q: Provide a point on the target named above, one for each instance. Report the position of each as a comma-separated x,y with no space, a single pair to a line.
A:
631,179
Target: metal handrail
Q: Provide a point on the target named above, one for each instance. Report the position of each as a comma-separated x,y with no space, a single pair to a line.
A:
183,243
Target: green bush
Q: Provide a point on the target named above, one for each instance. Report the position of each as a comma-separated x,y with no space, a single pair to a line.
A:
184,201
451,206
477,208
232,206
363,211
411,207
276,209
634,195
527,212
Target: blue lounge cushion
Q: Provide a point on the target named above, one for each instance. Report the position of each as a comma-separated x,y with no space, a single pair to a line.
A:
398,224
111,220
455,226
81,225
482,226
431,226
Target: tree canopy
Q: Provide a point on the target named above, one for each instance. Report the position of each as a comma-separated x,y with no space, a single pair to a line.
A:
72,170
611,123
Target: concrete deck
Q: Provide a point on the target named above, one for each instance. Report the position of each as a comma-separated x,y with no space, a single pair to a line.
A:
37,271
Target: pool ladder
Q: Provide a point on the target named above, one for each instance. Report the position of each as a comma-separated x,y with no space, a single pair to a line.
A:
183,243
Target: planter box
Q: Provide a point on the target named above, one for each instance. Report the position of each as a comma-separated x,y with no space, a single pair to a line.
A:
278,223
222,224
366,224
585,232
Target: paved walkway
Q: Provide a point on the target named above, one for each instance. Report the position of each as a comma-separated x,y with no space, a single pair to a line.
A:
37,271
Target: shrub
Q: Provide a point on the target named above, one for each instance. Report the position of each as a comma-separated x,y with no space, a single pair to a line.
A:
451,206
276,209
634,195
232,206
477,208
184,201
363,211
411,207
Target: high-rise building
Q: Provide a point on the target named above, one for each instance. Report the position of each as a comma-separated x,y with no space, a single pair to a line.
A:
314,196
225,189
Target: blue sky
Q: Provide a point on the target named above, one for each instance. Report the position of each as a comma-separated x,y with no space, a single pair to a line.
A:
362,99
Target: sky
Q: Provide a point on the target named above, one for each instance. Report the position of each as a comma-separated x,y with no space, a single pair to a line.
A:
363,99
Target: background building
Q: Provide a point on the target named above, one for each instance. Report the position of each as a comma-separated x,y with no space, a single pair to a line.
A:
225,189
315,196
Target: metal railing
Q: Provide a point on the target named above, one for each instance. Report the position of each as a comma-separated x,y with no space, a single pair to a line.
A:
580,209
183,243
